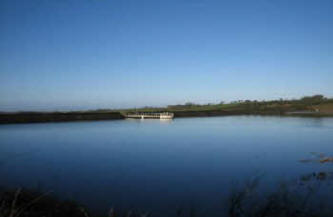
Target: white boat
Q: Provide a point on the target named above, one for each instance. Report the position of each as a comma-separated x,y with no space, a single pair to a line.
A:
151,115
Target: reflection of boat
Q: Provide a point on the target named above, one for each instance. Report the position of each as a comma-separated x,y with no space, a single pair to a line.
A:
150,115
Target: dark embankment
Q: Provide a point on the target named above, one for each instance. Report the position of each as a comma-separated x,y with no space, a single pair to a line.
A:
35,117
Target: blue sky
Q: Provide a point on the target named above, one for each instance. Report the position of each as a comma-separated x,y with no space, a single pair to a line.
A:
85,54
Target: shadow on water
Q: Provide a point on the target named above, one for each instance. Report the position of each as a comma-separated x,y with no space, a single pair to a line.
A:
6,158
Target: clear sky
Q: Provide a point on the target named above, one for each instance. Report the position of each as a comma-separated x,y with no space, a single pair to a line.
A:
83,54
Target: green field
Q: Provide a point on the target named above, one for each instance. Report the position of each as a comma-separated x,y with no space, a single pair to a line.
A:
316,103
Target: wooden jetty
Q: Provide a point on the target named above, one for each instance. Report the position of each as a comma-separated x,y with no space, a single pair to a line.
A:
150,115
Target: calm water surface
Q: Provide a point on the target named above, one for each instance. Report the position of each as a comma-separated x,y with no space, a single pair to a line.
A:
159,165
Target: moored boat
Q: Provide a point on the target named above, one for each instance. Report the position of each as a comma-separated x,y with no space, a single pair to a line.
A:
150,115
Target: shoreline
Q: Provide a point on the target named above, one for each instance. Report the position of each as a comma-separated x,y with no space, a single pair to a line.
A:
55,117
311,106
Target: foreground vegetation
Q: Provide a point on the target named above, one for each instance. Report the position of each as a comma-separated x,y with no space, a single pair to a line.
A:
314,106
296,199
299,197
307,195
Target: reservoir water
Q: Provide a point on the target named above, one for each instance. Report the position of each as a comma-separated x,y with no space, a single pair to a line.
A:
160,166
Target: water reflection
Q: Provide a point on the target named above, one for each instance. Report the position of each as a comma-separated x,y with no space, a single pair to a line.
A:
160,165
138,120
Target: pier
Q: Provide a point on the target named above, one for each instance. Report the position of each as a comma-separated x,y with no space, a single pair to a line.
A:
150,115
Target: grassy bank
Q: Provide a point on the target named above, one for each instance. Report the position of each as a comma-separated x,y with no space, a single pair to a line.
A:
312,106
315,106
